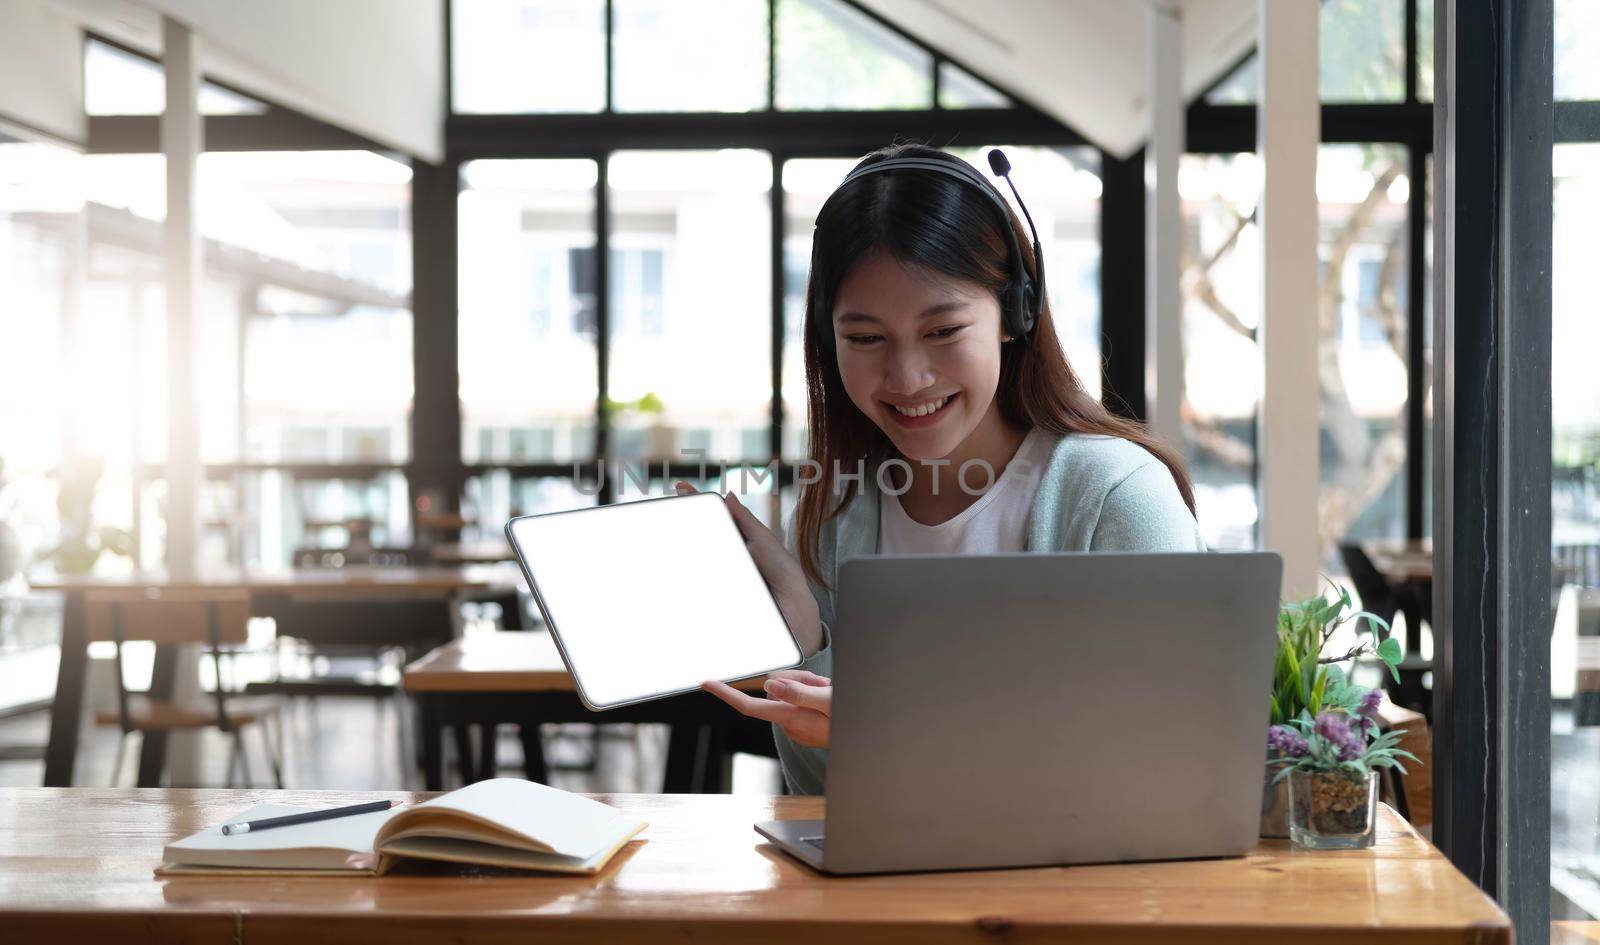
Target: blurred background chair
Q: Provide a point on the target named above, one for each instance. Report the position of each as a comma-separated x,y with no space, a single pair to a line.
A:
212,618
1385,598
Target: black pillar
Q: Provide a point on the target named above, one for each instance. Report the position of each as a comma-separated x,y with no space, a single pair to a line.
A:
1493,129
435,401
1122,285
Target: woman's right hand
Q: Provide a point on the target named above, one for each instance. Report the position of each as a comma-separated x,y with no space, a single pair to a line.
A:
779,569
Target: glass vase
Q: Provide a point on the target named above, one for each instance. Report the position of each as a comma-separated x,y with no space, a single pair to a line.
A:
1331,810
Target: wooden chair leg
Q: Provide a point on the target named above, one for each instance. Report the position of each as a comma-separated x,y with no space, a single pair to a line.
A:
533,763
466,763
488,751
407,741
233,762
273,757
244,758
116,764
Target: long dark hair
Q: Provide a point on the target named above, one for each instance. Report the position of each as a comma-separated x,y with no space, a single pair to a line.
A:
940,225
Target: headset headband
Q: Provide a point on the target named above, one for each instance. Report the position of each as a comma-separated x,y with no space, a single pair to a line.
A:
1021,298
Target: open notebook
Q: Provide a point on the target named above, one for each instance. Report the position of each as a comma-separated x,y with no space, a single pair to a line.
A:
501,822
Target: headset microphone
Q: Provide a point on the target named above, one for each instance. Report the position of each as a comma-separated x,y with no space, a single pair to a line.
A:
1023,297
1002,168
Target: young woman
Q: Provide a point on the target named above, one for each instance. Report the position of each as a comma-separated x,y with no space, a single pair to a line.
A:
941,421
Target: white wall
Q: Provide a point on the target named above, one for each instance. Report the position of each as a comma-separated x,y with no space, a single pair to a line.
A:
41,73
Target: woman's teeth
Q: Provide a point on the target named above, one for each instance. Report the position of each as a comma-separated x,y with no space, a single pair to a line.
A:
922,410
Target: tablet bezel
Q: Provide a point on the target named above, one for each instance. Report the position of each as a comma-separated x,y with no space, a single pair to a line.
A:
555,632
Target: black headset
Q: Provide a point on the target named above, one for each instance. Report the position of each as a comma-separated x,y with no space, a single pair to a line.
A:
1022,297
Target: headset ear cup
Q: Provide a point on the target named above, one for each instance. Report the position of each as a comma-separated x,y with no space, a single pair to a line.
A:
1028,307
1016,312
822,331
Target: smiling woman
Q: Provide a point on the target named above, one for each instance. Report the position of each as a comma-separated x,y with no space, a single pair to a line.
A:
943,415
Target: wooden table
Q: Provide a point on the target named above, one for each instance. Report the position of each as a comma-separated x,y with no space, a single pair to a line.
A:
490,679
423,596
492,551
1402,562
75,865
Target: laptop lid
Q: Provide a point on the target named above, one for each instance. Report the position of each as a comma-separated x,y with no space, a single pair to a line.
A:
1031,709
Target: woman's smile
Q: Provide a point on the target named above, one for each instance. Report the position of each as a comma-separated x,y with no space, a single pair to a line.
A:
923,413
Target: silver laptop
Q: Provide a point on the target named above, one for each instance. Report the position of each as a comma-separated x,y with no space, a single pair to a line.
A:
1036,709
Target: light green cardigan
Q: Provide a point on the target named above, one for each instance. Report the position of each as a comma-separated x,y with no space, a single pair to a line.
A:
1099,493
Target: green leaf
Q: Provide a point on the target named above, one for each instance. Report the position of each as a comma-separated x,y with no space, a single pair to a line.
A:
1318,690
1389,651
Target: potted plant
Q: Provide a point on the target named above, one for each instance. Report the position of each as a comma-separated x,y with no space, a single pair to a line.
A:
82,542
1331,765
660,438
1306,683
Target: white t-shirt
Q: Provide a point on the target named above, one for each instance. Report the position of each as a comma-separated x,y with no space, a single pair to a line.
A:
996,522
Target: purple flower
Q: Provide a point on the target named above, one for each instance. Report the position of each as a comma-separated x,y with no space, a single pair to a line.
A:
1370,703
1344,733
1286,741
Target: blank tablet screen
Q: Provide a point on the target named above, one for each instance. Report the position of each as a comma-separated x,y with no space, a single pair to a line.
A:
651,598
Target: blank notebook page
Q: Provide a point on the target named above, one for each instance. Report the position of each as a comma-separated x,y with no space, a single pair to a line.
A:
653,597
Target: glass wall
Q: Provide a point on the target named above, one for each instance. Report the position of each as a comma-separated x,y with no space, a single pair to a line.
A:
1575,534
314,369
1361,366
1575,488
528,56
1222,362
528,345
654,71
691,323
833,56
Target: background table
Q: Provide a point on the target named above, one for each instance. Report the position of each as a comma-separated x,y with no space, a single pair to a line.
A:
424,597
491,679
76,865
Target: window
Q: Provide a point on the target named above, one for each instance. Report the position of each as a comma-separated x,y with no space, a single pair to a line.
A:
1575,533
520,56
1221,311
959,88
118,82
690,280
493,497
543,297
1362,192
807,182
1361,56
690,55
833,56
1577,38
1362,51
520,370
1425,49
636,283
315,315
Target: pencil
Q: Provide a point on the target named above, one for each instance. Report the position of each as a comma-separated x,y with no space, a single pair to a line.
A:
309,816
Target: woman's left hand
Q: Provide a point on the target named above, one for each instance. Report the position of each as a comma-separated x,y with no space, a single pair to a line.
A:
800,702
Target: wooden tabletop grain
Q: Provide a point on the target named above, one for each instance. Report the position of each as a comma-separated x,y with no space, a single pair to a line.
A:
75,865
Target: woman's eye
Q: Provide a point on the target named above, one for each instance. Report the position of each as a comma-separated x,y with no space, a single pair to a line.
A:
947,332
862,340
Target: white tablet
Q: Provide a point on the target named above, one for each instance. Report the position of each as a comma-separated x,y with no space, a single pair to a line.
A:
651,598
